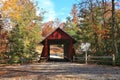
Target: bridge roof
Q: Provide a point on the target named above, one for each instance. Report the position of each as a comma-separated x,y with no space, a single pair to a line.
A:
58,34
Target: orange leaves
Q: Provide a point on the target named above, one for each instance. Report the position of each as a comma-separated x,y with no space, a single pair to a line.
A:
96,29
3,48
105,33
30,26
48,28
3,41
74,14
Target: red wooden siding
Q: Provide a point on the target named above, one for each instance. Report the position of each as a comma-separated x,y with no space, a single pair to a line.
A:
62,37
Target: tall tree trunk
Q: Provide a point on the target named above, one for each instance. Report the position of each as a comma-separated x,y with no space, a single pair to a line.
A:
114,34
0,32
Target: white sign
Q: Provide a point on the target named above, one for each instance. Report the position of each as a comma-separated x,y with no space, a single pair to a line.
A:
85,46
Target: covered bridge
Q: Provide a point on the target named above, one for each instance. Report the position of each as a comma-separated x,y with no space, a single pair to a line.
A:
59,37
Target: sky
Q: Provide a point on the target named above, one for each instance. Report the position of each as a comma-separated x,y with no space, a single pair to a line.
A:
55,9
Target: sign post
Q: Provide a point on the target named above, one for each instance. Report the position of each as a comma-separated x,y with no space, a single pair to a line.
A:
86,58
85,48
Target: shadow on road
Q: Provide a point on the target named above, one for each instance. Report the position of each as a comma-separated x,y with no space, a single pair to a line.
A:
56,67
58,60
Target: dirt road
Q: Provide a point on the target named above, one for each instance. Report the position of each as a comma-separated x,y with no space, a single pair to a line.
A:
59,71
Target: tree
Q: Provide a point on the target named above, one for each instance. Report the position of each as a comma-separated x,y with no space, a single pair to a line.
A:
3,40
48,28
12,9
94,23
74,14
26,31
71,25
115,47
99,20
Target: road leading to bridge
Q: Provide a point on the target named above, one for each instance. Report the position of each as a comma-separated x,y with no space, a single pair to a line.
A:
59,71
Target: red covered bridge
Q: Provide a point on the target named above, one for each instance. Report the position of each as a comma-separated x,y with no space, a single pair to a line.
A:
59,37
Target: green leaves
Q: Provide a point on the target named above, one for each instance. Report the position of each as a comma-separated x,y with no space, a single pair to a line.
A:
26,35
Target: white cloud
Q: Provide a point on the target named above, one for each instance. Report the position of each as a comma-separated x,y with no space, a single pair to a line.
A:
48,6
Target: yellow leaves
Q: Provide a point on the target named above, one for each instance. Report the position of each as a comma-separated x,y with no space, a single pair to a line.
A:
8,4
3,15
12,9
15,16
15,1
26,42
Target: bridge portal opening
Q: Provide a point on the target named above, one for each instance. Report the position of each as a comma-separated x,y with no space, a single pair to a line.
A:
57,51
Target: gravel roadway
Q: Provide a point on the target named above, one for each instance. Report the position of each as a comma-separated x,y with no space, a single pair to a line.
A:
59,71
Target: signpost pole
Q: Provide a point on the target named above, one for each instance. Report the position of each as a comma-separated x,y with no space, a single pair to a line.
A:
86,59
85,47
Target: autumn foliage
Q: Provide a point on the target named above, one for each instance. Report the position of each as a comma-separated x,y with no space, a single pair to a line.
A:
48,27
74,14
12,8
105,33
